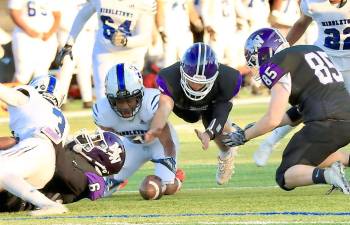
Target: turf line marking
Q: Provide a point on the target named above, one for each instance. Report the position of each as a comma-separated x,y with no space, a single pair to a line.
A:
257,222
227,214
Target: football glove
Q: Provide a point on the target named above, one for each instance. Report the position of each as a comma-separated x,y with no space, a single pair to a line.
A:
168,162
235,138
66,50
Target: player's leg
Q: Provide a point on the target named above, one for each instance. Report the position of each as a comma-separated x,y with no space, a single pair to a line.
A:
46,52
27,167
173,184
84,66
24,61
136,156
308,150
262,154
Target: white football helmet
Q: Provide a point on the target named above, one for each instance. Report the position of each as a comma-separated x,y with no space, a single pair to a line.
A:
124,83
49,87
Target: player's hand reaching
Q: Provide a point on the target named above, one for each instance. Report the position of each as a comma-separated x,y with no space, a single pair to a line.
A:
119,39
235,138
204,138
66,50
151,135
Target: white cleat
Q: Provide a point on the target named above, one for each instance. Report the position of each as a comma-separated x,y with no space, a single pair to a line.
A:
225,168
335,175
49,210
263,153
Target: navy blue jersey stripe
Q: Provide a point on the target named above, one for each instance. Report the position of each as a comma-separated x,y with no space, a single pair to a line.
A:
95,106
154,107
120,76
154,98
52,85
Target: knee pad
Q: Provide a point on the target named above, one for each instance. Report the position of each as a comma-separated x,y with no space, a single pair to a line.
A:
280,180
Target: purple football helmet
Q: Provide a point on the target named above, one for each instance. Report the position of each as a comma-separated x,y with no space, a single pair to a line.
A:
104,149
262,45
198,65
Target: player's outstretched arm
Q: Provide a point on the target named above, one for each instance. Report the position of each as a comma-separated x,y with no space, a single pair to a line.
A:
166,105
298,29
11,96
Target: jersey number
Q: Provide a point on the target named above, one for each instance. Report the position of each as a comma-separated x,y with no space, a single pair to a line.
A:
109,27
323,67
333,40
61,121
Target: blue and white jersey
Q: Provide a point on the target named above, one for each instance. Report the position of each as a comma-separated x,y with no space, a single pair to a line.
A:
37,14
133,130
333,26
36,115
123,16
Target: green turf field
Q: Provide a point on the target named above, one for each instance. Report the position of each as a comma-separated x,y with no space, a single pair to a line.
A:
251,197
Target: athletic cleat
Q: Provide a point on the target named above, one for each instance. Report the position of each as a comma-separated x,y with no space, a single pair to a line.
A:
335,175
262,154
49,210
113,185
180,174
225,168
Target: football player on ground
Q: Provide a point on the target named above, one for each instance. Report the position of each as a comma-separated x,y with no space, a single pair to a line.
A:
39,127
79,170
34,40
198,87
128,109
124,35
305,77
331,17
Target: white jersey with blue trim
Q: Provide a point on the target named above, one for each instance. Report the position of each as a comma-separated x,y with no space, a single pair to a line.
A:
30,119
134,129
333,25
122,16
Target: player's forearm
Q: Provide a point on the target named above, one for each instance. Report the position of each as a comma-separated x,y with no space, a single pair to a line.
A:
17,19
220,115
167,141
83,16
56,23
11,96
298,29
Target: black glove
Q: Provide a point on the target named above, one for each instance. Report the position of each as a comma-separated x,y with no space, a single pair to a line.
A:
235,138
168,162
66,50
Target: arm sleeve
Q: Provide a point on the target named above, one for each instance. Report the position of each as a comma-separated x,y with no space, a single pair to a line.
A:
83,16
12,96
220,115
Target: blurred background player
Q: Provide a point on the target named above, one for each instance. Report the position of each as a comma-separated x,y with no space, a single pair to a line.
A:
34,39
128,109
30,164
199,88
124,35
332,38
81,65
4,39
174,27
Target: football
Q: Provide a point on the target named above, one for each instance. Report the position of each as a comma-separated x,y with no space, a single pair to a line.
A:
7,142
151,188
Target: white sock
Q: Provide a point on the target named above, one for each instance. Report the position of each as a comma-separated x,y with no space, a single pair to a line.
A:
277,134
19,187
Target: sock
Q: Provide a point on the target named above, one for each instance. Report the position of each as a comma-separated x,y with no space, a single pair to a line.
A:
19,187
318,176
278,134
